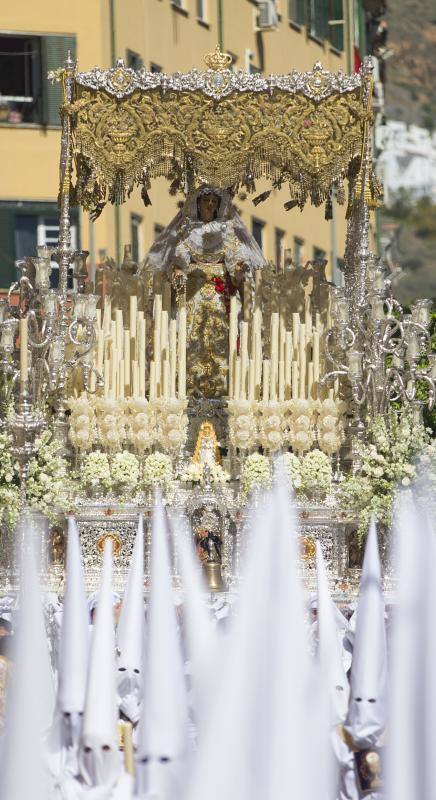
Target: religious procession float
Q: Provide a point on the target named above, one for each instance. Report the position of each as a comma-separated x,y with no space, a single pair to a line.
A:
205,370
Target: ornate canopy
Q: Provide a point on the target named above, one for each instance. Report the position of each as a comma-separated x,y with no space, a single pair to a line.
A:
218,126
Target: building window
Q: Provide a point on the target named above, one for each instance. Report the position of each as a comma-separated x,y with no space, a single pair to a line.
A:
318,18
135,237
155,67
279,247
134,60
202,10
157,230
25,225
298,251
26,96
318,254
336,31
297,11
257,227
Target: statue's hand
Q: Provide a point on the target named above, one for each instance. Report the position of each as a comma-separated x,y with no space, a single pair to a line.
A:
178,280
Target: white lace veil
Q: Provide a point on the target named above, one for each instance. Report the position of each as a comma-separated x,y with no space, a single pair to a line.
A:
187,234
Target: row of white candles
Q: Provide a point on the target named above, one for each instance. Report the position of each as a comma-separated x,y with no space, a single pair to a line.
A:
121,352
294,366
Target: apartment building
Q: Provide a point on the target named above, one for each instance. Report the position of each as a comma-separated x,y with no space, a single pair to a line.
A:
167,35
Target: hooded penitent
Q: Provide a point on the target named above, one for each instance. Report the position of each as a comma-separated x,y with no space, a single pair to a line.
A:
202,638
130,633
74,643
99,758
30,697
162,740
411,740
260,737
329,653
366,719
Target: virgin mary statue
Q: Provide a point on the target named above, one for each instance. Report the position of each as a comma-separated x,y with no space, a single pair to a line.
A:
206,252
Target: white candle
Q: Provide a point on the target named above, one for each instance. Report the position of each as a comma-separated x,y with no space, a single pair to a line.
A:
315,356
121,379
295,333
114,372
265,382
274,369
233,337
251,380
141,370
302,362
135,379
152,380
157,330
119,330
182,353
106,375
173,356
288,365
133,315
237,379
281,380
127,360
294,380
164,335
23,351
244,361
310,380
98,318
258,363
166,378
107,315
100,350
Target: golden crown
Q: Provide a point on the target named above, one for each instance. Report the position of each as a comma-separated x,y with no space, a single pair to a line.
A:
218,60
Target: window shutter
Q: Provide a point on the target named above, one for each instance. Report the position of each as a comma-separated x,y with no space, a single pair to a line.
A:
337,31
54,51
7,250
320,21
297,11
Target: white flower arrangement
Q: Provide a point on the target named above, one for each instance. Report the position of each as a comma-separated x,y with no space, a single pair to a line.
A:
330,425
289,465
301,424
141,423
111,422
83,428
125,468
389,458
95,471
172,424
271,426
242,425
316,471
194,472
10,500
48,487
157,471
255,473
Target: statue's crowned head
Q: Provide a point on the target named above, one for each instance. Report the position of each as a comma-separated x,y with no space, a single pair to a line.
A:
208,204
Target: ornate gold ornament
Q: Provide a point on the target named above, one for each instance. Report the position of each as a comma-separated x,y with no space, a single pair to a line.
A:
307,548
218,60
116,542
216,126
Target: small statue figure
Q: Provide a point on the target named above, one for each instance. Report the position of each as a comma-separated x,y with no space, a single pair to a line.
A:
209,546
57,547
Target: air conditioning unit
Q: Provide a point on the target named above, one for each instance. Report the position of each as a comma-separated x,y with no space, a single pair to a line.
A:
267,18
